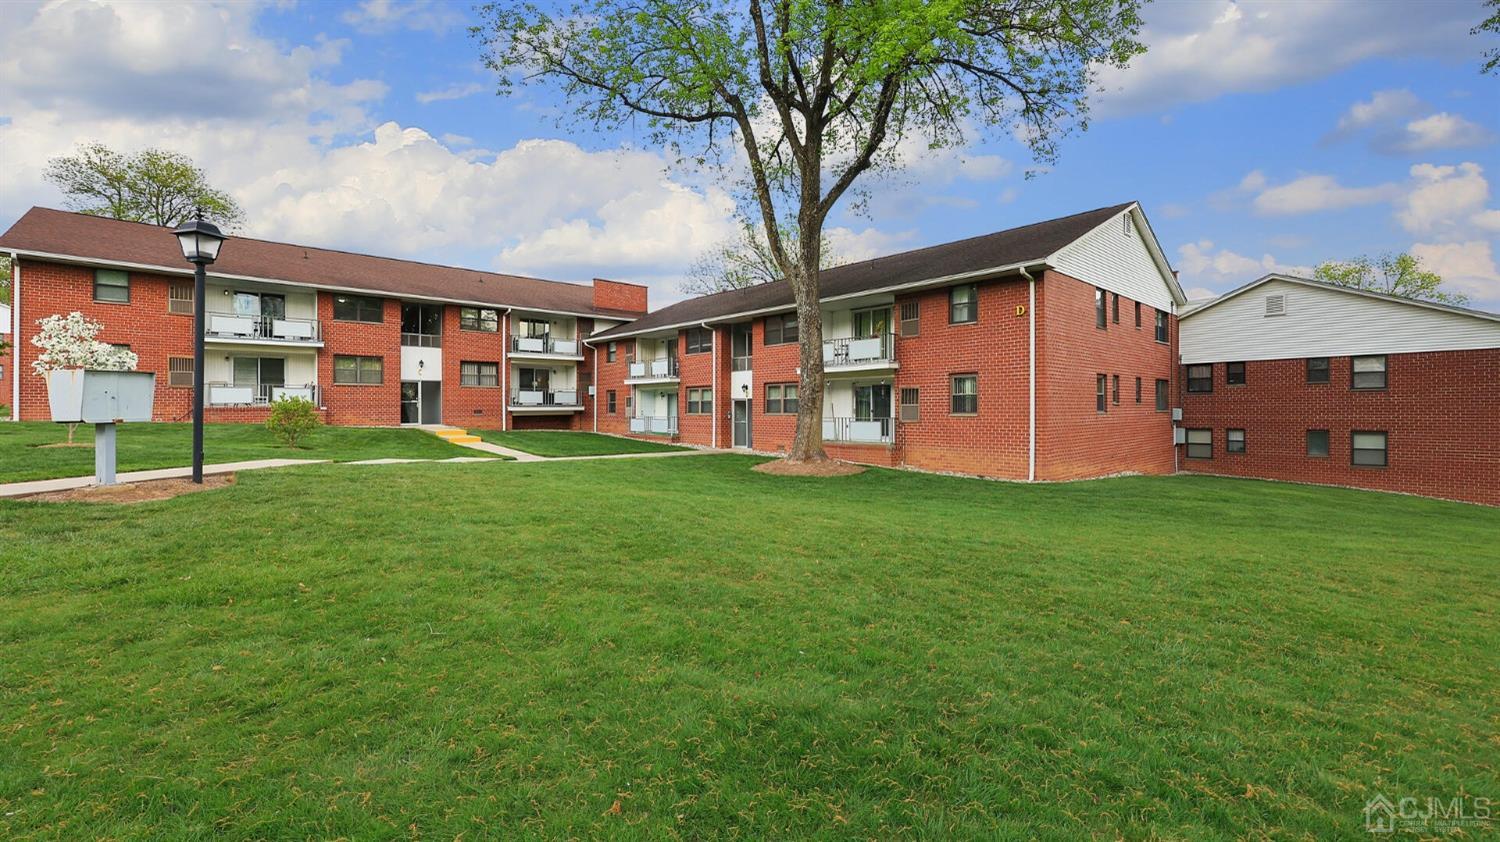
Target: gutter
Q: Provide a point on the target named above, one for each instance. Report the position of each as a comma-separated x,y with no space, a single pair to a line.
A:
504,368
15,336
1030,375
595,390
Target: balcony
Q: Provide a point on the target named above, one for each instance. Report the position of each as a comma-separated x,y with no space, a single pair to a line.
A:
662,370
655,425
542,402
257,394
868,353
545,346
857,430
421,340
234,327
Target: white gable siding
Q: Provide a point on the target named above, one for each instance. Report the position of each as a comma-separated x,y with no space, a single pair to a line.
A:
1324,323
1120,262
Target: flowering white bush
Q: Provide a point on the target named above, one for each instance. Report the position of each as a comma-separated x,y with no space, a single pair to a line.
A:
69,342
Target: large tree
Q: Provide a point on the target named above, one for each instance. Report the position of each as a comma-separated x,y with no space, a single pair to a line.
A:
1393,274
743,261
154,185
814,94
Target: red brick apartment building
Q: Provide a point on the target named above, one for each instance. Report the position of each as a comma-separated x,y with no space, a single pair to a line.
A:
1045,352
371,340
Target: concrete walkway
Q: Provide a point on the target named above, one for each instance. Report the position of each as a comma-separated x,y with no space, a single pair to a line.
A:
21,489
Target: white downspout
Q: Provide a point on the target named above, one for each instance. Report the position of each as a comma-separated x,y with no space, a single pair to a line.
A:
1031,375
504,368
15,336
713,395
596,381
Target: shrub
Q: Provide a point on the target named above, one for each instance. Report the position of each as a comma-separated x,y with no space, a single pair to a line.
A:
291,419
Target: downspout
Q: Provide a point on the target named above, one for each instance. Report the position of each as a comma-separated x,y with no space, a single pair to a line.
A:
504,368
591,347
15,336
1031,375
713,396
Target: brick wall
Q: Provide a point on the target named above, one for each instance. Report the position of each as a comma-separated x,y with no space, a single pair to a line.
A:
612,376
615,295
697,371
1074,439
373,405
1438,412
470,406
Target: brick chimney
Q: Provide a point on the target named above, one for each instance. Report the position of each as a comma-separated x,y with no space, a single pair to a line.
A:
617,295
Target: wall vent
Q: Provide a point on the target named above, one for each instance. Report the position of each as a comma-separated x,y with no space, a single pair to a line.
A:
1276,305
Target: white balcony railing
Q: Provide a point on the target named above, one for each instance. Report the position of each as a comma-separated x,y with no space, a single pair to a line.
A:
544,345
661,425
857,430
262,328
539,397
859,350
257,394
649,369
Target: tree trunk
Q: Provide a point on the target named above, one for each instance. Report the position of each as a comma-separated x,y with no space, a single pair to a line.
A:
807,445
71,429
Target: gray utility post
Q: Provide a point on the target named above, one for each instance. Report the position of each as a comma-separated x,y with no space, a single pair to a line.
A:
104,454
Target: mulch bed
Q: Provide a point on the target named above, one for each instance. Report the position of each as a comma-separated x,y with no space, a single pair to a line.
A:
133,492
825,468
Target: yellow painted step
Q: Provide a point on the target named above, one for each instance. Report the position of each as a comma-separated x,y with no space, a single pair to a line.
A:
463,439
451,433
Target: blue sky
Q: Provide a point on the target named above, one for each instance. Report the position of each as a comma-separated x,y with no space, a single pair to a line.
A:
1258,136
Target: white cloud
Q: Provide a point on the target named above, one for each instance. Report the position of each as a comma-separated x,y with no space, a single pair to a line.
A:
1312,193
851,246
1397,122
1444,198
1443,131
1381,108
1469,267
1219,268
450,92
376,16
1199,50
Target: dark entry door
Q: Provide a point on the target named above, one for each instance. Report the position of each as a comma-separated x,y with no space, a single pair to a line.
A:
741,423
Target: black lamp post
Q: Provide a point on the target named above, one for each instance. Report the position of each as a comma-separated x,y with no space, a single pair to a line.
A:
200,245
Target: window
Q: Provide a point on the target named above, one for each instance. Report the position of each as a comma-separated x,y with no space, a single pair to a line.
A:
963,304
781,330
1099,319
1369,373
180,299
479,374
911,318
699,340
965,391
1317,370
1317,443
700,401
781,398
1200,378
1234,441
1115,391
909,411
1163,395
358,308
358,370
609,401
1234,374
1161,326
1138,390
111,285
1115,306
422,325
180,372
1200,444
478,318
610,351
536,329
1101,402
1138,315
1367,449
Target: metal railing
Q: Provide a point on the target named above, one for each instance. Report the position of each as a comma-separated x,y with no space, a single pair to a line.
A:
264,328
741,363
857,430
422,340
544,345
540,397
860,350
661,425
258,394
645,369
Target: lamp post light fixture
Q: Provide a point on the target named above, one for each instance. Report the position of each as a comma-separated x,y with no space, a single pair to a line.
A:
200,242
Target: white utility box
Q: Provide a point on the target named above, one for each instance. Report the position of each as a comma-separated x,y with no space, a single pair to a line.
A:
100,397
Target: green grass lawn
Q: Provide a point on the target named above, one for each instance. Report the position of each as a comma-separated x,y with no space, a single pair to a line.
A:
146,446
566,443
473,651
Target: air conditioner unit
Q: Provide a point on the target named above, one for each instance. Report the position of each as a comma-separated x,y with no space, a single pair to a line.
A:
1176,413
591,391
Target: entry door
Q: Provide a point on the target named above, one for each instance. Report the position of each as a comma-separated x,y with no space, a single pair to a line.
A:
411,407
872,401
741,423
872,324
432,401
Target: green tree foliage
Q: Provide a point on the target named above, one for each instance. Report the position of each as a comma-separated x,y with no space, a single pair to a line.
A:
154,185
1490,25
813,94
742,261
292,419
1398,274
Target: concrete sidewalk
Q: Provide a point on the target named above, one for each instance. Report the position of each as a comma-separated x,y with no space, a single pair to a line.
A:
21,489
